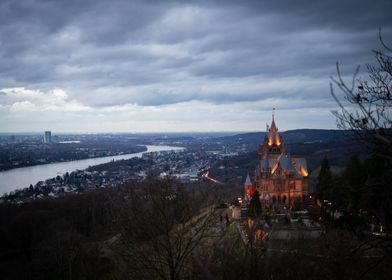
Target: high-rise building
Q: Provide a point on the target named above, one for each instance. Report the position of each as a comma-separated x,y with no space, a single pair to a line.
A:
48,137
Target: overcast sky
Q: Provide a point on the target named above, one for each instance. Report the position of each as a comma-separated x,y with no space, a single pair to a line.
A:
132,66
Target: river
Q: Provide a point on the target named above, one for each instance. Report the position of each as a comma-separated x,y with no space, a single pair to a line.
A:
22,177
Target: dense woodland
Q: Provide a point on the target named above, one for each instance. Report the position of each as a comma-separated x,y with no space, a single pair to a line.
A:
75,237
161,229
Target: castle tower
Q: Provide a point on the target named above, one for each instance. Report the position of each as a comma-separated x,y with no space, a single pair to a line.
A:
273,142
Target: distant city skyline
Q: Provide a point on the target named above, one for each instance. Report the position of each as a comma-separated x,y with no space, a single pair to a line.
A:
179,66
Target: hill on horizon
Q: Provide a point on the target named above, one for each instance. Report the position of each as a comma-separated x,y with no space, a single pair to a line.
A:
303,135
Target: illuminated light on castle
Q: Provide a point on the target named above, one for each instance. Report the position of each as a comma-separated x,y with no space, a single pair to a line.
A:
279,177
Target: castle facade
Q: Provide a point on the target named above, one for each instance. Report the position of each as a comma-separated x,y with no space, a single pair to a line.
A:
279,177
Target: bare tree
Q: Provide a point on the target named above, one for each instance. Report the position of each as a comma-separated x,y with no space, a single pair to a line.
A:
365,108
163,226
368,107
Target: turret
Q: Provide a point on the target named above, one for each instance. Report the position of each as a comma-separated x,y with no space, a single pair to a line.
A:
274,141
250,189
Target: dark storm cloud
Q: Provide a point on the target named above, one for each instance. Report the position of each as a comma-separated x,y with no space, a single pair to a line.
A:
354,15
107,53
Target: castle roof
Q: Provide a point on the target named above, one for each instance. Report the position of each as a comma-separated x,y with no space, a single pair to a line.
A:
296,165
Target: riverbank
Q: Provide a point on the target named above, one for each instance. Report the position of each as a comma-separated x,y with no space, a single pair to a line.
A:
21,178
57,153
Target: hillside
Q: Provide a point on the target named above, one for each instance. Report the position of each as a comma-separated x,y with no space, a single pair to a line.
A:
291,136
313,144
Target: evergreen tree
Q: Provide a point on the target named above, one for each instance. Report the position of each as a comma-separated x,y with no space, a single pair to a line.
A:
377,195
324,180
254,209
355,175
355,172
341,193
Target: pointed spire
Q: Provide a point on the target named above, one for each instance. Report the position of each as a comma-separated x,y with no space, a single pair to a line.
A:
248,182
273,125
273,135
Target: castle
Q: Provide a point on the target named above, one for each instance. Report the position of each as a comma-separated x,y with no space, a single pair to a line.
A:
279,177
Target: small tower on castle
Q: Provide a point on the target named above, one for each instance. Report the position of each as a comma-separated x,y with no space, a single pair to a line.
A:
250,188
